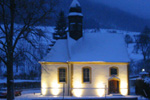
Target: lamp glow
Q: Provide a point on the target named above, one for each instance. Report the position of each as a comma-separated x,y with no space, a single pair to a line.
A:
101,90
44,90
124,90
143,70
77,92
55,88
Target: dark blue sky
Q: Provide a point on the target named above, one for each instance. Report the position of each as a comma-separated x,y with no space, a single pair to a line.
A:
140,8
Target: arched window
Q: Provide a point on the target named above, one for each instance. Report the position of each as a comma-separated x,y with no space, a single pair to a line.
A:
62,74
86,74
113,71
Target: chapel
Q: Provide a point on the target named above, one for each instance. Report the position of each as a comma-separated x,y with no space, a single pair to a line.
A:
85,64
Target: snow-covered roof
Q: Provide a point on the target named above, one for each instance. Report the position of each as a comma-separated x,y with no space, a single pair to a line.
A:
59,52
112,77
75,3
92,47
144,73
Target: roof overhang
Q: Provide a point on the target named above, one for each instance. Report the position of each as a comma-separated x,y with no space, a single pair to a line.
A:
101,63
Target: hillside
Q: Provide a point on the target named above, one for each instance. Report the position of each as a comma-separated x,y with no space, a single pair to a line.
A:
98,15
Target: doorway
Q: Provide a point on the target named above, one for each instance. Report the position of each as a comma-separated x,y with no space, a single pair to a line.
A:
113,86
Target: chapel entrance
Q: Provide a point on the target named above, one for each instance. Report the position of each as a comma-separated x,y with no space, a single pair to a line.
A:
113,86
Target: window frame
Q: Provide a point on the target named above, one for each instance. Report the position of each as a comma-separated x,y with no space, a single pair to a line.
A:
90,74
65,74
114,68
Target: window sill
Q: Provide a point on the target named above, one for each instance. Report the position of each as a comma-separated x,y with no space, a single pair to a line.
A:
86,82
62,82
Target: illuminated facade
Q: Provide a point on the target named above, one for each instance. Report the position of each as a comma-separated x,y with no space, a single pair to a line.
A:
85,65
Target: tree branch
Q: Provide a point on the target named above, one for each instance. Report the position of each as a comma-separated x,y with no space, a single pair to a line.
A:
19,35
2,29
4,18
2,50
3,60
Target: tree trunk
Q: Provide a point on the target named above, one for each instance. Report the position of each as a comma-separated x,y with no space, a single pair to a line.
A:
10,80
10,51
144,56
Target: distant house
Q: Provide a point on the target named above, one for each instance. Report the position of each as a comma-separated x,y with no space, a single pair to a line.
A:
89,64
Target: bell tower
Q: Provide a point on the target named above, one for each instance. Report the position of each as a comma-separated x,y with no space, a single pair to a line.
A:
75,20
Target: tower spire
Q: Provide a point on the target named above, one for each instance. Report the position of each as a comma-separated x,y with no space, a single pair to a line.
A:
75,20
75,7
75,3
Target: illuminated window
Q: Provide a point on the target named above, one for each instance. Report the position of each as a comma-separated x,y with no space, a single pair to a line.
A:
113,71
86,75
62,74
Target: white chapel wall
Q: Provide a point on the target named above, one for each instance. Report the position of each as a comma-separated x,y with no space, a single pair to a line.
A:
100,76
49,80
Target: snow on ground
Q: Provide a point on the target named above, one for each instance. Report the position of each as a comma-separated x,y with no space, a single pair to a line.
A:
32,94
36,94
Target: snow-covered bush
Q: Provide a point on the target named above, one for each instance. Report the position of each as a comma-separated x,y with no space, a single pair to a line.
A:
147,80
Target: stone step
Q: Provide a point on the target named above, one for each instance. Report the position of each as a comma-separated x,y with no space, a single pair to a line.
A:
116,94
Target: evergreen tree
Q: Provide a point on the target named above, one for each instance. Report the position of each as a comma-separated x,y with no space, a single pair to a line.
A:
61,25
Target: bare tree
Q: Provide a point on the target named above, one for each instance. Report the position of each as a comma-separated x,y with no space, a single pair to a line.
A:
143,43
27,13
128,39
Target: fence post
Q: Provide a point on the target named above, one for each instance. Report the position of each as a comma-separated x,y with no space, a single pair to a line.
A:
105,91
63,90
